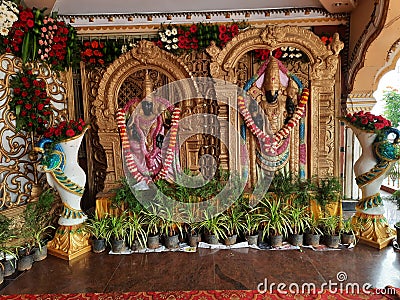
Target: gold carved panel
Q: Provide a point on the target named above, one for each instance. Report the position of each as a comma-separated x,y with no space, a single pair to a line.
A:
17,171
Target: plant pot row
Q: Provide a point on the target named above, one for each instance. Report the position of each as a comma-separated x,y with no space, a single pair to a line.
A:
24,262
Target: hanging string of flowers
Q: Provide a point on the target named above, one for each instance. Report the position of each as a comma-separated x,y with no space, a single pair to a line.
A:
36,37
30,103
283,53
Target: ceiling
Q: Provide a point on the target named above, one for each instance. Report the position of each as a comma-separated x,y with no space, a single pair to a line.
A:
95,7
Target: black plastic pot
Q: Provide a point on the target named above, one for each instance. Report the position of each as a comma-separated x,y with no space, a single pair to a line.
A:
296,239
153,242
312,239
25,262
117,246
230,240
332,241
347,239
172,242
194,239
98,245
9,266
212,239
252,239
40,254
276,240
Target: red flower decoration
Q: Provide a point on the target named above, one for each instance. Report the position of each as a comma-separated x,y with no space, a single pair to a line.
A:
367,121
65,130
29,94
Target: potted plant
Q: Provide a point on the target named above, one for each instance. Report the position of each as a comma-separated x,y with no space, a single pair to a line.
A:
232,222
274,219
313,232
117,232
37,225
152,222
330,225
124,199
327,192
396,197
137,237
347,234
171,226
250,225
212,227
191,226
299,221
97,228
8,255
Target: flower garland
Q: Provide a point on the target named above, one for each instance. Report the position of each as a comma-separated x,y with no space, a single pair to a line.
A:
65,130
367,121
270,143
30,103
196,36
8,15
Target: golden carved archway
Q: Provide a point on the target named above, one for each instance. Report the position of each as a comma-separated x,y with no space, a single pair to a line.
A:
324,104
145,56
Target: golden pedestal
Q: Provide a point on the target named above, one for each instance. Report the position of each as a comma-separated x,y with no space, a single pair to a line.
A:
375,230
69,242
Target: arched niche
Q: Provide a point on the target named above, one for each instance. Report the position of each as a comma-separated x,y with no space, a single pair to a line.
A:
324,103
145,56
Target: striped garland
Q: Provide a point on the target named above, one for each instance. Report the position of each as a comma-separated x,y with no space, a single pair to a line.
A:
270,143
169,157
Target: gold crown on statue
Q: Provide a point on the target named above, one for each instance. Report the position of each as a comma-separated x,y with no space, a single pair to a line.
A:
271,79
148,85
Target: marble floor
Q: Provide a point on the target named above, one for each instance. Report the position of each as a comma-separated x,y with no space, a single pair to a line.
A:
208,269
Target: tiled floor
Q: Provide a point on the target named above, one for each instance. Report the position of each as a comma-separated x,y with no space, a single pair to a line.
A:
207,269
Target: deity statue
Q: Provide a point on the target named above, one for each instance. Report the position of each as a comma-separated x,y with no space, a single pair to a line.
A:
275,95
147,150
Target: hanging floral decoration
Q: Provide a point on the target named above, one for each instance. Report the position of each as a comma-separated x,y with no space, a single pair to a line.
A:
30,103
367,121
92,52
282,53
65,130
53,47
8,15
326,38
36,37
196,36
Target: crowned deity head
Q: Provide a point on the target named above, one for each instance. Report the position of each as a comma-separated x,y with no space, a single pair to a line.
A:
147,102
271,84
